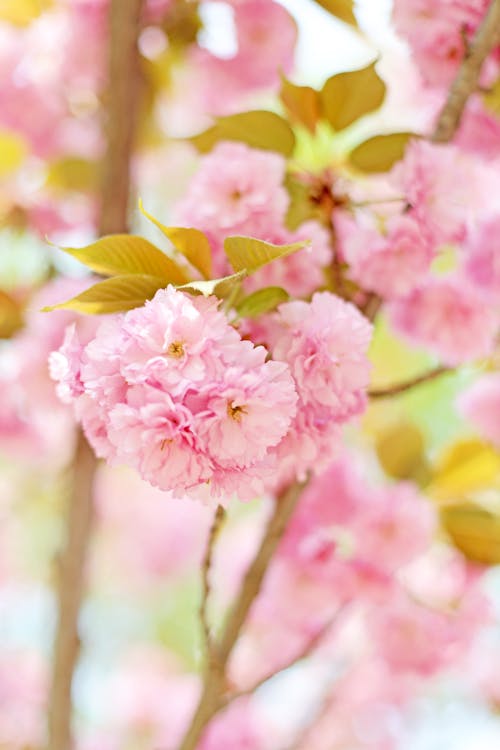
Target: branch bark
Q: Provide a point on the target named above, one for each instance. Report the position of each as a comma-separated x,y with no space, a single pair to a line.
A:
467,79
212,698
397,388
119,126
215,529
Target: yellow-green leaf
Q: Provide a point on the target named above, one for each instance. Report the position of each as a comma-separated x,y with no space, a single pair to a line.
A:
302,103
192,243
22,12
258,129
380,153
113,295
11,318
118,254
219,287
348,96
261,301
342,9
467,466
13,150
474,530
401,452
491,98
73,173
249,254
300,208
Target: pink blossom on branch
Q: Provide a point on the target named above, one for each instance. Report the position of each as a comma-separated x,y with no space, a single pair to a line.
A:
172,390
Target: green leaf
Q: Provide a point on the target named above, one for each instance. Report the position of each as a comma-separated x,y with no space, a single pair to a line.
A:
119,254
11,319
22,12
220,287
13,150
380,153
72,173
401,452
342,9
261,301
258,129
302,103
248,254
192,243
348,96
300,208
113,295
474,530
491,98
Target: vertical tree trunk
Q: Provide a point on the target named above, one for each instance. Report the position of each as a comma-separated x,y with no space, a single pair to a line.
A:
120,115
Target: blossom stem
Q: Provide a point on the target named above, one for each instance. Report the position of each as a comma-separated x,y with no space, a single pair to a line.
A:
397,388
212,698
120,126
467,79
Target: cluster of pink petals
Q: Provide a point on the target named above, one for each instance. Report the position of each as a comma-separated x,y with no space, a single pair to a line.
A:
447,317
480,403
436,31
482,259
390,264
238,190
172,390
445,189
325,343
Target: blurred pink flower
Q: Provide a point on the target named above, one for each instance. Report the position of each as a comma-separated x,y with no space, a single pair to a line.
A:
480,403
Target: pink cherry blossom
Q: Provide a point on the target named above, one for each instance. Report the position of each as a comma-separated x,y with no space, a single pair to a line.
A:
173,390
480,403
389,264
445,189
325,343
482,258
435,30
237,190
445,316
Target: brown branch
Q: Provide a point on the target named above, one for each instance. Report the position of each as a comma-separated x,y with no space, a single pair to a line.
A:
397,388
120,107
212,698
220,515
467,79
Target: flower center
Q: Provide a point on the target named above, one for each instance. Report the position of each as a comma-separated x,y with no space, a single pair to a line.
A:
235,412
176,349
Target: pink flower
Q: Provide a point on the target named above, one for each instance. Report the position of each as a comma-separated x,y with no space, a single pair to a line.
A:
445,189
389,264
445,316
266,34
482,258
395,526
435,31
237,190
172,390
325,342
481,405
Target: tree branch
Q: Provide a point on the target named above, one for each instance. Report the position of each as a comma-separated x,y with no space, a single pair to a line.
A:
467,79
220,515
397,388
119,124
305,652
212,698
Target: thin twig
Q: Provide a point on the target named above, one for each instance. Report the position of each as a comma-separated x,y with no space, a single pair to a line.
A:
120,121
397,388
467,79
220,515
305,652
215,681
